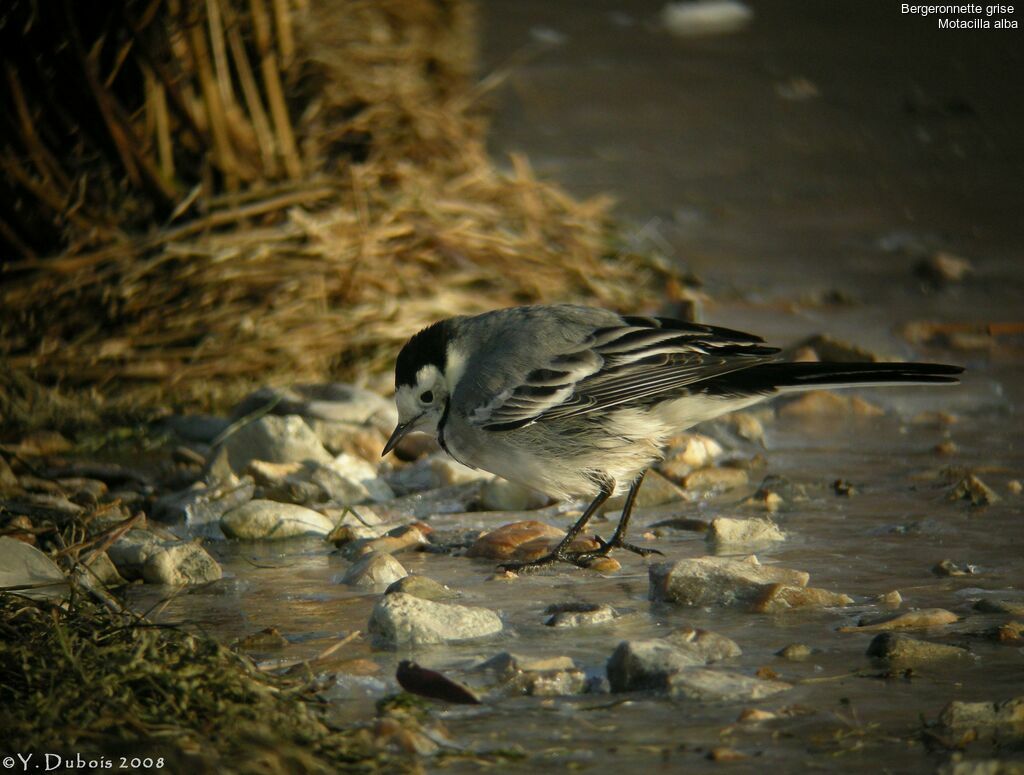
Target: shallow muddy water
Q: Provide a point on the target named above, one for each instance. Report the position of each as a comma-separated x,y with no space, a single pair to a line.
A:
774,203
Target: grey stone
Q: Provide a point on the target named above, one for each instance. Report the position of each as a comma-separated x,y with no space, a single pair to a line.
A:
729,531
983,714
718,580
374,570
140,554
273,439
201,506
704,685
25,566
657,491
422,587
539,677
498,494
404,620
637,665
506,664
795,652
903,650
268,519
990,606
579,614
710,646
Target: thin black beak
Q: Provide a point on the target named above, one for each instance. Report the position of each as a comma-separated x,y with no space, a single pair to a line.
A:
396,436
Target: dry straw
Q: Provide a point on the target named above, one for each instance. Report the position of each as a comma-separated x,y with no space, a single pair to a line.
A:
316,188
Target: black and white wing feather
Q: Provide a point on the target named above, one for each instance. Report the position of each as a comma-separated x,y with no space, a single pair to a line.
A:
640,362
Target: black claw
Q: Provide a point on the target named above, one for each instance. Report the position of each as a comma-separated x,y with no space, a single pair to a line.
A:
540,562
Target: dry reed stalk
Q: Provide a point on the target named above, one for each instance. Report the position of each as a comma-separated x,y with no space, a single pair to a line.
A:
274,90
253,100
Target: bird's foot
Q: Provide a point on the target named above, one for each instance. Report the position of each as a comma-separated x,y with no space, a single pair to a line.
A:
558,555
607,546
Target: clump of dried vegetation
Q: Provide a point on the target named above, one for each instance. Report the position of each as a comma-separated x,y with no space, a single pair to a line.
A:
85,679
198,196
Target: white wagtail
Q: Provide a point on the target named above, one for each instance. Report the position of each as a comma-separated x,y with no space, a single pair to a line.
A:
578,401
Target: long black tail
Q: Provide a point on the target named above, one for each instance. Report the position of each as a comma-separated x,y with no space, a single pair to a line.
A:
807,376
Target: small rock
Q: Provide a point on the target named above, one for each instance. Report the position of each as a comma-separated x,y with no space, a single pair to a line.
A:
910,620
711,646
903,650
639,665
499,494
1011,632
25,566
715,479
755,716
139,554
990,606
983,714
553,683
636,665
362,441
267,639
972,489
797,89
271,438
843,488
374,570
721,753
544,677
705,685
729,531
949,568
795,652
101,568
946,448
782,597
525,540
1014,487
421,587
688,451
891,599
718,580
656,491
828,348
775,492
268,519
403,620
201,506
825,403
942,268
579,614
710,17
396,540
506,664
746,426
604,564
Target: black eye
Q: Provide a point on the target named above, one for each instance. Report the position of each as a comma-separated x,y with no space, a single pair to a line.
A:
427,397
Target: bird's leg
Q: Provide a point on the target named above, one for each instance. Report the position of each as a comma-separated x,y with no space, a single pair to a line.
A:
561,552
618,539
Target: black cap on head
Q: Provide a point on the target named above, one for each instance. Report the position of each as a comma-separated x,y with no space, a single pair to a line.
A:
429,346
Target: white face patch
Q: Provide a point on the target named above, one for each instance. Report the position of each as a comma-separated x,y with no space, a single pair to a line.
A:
421,405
